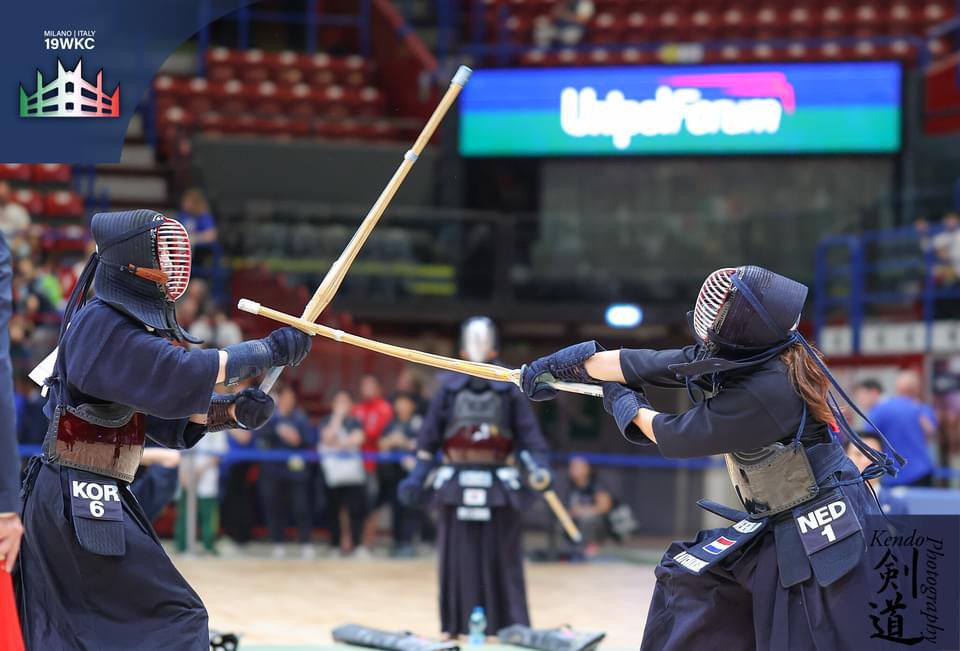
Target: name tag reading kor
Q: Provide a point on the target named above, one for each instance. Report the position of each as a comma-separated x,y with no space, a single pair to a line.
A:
96,501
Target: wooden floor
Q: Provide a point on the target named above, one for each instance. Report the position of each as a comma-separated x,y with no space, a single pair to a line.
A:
295,603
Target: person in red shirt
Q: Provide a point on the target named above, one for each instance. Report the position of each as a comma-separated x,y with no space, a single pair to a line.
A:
375,413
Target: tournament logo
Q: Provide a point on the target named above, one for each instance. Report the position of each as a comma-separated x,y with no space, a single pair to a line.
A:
69,95
750,103
719,545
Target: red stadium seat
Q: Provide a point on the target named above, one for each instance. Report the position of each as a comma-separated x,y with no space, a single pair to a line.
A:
371,102
735,22
938,47
769,15
803,16
221,72
638,26
936,11
321,77
232,98
836,15
287,67
599,57
178,87
63,204
383,130
902,49
212,123
174,116
867,13
15,172
605,29
635,56
254,68
330,102
271,99
797,51
29,199
703,25
52,173
302,103
763,52
520,29
900,14
670,24
865,49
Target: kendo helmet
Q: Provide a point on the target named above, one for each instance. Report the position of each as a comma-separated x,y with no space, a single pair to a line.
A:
479,340
746,310
144,262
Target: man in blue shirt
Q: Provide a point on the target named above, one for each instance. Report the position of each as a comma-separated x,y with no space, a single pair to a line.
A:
907,423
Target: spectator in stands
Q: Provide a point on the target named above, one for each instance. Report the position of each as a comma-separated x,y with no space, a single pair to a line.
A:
866,394
410,384
288,430
907,423
196,218
201,473
341,441
944,249
890,503
240,487
217,329
31,422
14,218
590,501
38,291
157,479
374,412
565,24
400,438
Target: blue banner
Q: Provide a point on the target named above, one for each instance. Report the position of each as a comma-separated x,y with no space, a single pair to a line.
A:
746,109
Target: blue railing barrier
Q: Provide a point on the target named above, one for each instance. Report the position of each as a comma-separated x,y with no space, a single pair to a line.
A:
857,268
609,460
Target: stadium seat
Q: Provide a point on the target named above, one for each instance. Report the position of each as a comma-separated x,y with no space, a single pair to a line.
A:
936,11
606,29
254,68
52,173
63,204
638,26
29,199
15,172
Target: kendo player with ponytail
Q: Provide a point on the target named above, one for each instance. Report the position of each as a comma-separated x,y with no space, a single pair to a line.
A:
92,573
791,573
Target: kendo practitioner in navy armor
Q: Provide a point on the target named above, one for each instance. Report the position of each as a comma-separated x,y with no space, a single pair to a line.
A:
791,573
479,426
93,575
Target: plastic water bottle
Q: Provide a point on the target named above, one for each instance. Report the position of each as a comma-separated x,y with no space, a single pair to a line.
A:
478,627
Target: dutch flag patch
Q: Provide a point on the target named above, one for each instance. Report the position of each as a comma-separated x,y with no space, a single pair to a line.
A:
719,545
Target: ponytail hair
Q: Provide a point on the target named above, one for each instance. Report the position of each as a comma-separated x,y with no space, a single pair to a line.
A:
809,381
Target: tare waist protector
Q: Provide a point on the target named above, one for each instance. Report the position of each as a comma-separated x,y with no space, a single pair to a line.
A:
772,479
103,439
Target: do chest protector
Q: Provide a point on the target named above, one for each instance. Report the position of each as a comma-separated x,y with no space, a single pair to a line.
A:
104,439
774,478
478,422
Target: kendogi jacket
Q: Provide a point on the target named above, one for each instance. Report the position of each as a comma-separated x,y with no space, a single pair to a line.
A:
789,471
116,383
